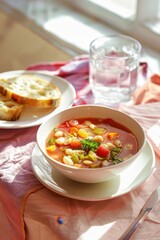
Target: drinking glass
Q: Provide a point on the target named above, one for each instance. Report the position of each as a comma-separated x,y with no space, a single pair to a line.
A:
114,64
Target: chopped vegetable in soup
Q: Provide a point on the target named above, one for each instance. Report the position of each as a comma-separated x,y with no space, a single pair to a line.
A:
91,143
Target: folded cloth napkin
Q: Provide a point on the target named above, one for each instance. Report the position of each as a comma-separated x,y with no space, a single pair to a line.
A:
149,92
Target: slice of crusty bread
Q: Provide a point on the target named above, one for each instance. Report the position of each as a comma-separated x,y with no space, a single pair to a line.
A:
9,109
31,90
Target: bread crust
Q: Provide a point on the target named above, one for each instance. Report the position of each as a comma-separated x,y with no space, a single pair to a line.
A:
31,90
9,109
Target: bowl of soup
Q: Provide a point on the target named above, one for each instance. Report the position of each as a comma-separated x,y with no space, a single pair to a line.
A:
90,143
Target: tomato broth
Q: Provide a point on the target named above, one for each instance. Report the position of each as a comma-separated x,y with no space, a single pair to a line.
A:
91,143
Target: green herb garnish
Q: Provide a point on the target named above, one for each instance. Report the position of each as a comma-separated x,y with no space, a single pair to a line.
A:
114,155
51,141
88,144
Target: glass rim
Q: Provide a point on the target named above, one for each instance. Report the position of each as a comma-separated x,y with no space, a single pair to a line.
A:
107,37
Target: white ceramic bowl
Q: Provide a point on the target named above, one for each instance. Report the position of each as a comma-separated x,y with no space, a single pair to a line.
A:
90,175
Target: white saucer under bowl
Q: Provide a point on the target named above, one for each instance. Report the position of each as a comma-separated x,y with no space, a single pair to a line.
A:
130,179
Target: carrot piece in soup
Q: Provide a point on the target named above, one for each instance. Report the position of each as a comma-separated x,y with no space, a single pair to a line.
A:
75,143
113,135
73,131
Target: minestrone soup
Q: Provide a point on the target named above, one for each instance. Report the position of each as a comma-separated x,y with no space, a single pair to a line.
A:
91,143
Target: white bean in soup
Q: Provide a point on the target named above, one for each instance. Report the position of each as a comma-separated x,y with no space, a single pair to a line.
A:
91,143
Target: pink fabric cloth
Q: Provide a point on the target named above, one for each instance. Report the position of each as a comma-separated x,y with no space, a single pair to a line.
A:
30,211
149,92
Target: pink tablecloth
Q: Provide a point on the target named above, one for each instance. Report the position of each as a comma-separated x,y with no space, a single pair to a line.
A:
30,211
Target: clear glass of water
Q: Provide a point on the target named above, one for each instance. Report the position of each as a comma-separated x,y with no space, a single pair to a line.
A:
114,64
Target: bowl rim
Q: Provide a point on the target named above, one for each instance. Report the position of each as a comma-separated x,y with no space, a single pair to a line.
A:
59,164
